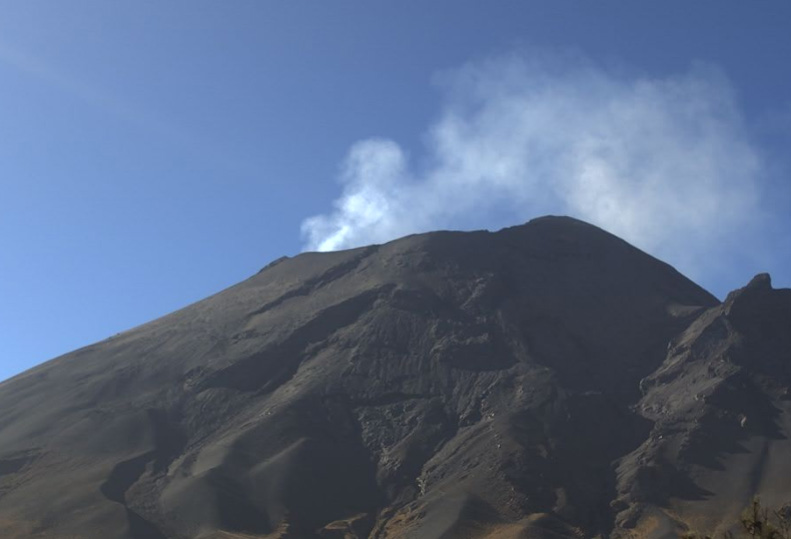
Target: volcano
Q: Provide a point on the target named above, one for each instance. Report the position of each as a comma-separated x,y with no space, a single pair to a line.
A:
547,380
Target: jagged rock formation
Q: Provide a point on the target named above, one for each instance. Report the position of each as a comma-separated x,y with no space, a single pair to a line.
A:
720,406
547,380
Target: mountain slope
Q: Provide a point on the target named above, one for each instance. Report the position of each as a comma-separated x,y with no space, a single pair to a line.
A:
720,405
442,385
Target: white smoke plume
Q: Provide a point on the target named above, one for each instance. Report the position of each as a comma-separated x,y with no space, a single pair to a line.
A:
662,162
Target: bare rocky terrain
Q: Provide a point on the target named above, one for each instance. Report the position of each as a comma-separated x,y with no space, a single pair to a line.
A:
547,380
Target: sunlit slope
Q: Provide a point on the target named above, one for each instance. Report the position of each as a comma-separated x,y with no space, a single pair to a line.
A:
442,385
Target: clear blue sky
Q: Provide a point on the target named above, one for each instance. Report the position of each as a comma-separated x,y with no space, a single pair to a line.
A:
153,153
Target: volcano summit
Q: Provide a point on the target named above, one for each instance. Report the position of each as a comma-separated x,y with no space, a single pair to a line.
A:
546,380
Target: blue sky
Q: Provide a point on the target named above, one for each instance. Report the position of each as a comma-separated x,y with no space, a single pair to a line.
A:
153,153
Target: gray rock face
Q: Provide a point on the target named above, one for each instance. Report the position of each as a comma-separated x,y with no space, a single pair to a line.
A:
443,385
721,412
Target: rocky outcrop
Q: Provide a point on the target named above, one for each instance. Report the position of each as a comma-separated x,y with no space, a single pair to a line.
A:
719,405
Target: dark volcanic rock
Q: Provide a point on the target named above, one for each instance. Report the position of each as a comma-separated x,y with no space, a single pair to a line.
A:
505,384
721,413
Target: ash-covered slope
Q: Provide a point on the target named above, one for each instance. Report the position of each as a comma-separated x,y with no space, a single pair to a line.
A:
442,385
720,405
